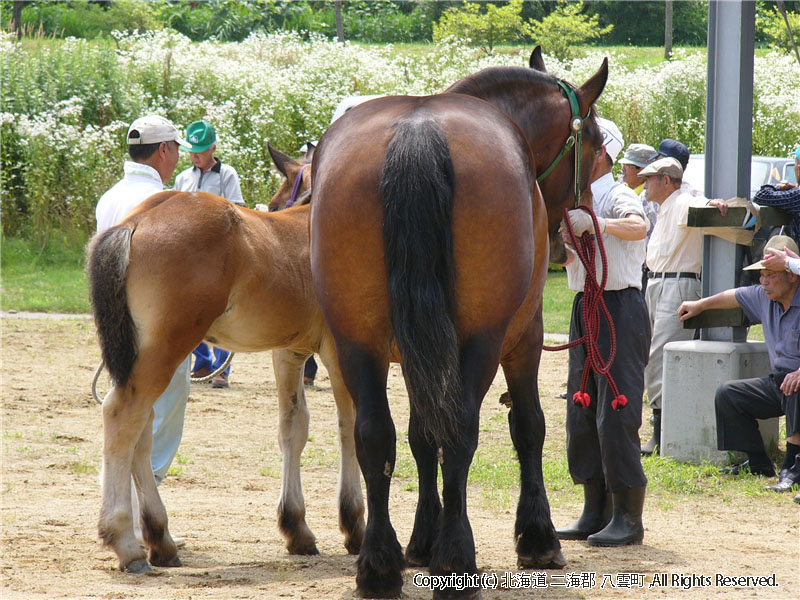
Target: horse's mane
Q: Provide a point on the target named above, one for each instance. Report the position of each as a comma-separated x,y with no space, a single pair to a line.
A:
509,88
486,81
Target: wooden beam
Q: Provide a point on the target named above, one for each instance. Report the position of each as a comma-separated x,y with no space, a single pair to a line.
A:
717,317
710,217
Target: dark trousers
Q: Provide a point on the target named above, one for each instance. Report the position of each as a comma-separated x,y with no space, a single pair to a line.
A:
602,443
739,403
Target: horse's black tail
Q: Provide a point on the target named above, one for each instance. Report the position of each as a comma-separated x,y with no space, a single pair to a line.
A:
107,270
417,192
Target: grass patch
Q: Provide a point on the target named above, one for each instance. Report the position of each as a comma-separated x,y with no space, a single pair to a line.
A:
557,303
46,278
82,468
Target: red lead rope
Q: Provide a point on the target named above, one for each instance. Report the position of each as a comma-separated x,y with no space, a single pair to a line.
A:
592,305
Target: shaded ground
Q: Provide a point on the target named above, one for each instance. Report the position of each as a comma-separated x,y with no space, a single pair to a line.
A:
224,488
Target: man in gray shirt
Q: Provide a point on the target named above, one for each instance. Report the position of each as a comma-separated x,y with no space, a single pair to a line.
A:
776,304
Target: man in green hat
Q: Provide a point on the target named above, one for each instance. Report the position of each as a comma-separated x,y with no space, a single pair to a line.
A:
209,174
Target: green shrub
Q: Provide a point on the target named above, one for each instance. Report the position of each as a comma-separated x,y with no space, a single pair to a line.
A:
773,28
565,30
84,19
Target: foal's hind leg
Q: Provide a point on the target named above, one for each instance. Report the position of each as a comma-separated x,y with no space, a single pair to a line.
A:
537,544
351,499
163,552
426,520
292,437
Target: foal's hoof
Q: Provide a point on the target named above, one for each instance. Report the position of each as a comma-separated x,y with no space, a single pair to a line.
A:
160,561
550,560
138,566
302,547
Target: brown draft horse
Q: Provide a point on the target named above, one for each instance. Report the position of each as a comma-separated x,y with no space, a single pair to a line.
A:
429,244
153,304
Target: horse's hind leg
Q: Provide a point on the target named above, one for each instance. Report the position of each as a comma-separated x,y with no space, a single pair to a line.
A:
292,437
454,549
125,417
537,544
163,552
351,499
426,520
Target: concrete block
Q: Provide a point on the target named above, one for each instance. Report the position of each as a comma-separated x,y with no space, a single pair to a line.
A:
692,372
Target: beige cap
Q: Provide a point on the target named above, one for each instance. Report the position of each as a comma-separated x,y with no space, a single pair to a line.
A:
663,166
154,129
778,242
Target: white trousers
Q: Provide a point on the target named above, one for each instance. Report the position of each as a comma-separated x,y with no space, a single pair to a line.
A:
663,297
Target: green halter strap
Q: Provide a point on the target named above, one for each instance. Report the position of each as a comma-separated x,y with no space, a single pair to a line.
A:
574,139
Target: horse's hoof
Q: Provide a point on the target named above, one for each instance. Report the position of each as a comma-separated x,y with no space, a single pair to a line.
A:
458,595
138,566
551,560
417,559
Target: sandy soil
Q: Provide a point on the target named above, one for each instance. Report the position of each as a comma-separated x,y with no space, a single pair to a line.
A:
224,496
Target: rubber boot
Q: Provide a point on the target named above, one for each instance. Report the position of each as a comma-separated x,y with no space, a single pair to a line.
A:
654,443
625,528
596,512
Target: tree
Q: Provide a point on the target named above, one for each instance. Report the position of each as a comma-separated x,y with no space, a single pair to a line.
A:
497,25
560,32
668,30
16,18
337,7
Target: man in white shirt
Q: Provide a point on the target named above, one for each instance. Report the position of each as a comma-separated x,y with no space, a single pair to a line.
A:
603,443
674,258
209,174
153,148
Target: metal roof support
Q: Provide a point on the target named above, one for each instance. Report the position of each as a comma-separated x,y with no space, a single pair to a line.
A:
729,137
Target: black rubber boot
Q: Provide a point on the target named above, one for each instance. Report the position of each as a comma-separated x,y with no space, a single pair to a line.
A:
654,443
596,512
626,527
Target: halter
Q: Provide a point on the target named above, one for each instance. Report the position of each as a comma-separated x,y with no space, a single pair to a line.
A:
574,139
293,197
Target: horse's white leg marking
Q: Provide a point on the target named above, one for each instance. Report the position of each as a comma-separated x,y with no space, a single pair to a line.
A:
351,498
292,436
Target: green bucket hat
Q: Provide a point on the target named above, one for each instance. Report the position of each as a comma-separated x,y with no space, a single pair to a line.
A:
201,135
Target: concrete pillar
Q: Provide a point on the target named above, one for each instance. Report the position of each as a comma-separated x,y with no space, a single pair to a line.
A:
692,372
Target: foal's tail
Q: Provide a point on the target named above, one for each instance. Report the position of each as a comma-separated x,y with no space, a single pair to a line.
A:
417,193
107,271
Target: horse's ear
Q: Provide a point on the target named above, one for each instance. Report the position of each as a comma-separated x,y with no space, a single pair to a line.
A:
310,147
280,159
590,91
536,61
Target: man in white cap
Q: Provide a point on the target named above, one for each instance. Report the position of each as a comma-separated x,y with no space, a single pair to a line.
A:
776,304
153,148
674,258
603,443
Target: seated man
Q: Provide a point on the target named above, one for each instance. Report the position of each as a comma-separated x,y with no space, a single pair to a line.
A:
776,304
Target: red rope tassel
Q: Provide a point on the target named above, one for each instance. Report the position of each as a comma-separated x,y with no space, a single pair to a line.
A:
593,305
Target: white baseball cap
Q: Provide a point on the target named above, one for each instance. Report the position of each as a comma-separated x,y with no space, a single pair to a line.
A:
612,137
154,129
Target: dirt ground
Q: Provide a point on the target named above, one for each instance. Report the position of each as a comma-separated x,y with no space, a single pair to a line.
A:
223,495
